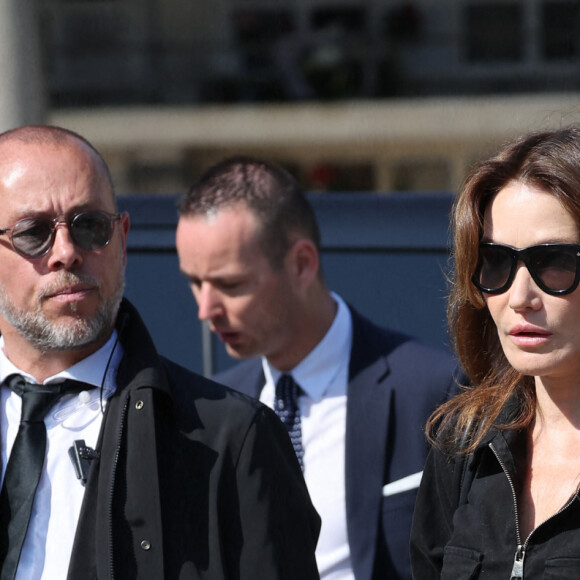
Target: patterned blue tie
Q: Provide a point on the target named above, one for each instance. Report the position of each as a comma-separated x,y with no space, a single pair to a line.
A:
286,407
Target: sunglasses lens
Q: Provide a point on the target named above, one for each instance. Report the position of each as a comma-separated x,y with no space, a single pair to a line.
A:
91,230
495,268
555,267
32,237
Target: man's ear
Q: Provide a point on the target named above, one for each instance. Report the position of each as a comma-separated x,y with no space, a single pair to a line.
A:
125,225
304,262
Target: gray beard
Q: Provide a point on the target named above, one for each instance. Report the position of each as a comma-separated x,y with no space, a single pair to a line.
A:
74,335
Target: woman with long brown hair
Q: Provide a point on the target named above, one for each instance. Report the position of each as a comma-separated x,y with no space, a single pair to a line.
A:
499,495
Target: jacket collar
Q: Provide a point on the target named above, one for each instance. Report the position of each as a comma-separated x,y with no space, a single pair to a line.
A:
504,440
145,368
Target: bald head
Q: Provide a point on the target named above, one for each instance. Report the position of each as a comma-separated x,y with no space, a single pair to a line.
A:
48,135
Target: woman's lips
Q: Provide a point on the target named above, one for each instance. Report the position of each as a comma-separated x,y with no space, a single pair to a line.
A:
529,335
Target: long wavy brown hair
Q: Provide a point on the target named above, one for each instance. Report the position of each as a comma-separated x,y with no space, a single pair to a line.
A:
549,161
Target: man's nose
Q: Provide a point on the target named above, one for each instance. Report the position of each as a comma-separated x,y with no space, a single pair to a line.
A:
64,252
209,302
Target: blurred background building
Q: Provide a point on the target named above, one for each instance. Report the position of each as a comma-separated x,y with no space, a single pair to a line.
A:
350,95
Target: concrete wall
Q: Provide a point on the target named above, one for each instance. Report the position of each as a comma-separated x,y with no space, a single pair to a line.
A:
455,131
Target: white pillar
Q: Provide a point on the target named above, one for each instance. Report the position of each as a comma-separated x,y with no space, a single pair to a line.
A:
22,87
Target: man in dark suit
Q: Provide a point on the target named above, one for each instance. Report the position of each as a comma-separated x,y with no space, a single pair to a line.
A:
117,463
353,396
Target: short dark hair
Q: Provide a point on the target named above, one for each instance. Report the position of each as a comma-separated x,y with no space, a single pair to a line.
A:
268,190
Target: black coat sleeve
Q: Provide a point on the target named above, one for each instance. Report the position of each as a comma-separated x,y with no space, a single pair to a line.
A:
277,521
433,517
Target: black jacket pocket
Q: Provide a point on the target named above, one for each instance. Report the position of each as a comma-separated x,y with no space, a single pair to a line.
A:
461,564
562,569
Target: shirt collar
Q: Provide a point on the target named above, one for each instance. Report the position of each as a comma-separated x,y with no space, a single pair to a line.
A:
319,368
89,370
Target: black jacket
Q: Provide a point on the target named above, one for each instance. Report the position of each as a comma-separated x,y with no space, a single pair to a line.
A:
479,538
195,481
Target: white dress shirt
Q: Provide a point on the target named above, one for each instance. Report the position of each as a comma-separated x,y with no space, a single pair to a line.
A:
48,545
323,376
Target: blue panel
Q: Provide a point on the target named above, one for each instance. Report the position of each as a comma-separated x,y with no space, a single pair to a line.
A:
386,254
156,287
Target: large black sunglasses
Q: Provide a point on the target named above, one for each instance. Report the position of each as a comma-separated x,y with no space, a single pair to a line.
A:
89,230
553,267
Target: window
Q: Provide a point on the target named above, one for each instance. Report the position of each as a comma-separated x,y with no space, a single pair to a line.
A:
493,32
421,175
560,30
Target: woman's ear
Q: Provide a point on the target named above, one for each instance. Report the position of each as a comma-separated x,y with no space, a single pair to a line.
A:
304,262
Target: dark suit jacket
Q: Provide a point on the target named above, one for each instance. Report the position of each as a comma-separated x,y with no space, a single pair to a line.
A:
395,382
194,481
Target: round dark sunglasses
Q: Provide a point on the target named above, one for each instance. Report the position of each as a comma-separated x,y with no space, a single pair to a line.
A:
553,267
89,230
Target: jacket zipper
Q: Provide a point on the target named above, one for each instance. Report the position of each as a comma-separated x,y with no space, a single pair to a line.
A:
518,566
113,480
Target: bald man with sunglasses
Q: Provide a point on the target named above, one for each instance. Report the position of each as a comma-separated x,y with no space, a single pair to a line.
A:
115,462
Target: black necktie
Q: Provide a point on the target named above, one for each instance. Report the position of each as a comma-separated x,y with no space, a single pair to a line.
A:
286,407
25,465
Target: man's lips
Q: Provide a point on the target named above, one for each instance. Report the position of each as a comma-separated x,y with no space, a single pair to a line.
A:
227,335
65,293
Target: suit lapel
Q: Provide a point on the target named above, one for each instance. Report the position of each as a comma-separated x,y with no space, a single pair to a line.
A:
367,428
253,381
246,377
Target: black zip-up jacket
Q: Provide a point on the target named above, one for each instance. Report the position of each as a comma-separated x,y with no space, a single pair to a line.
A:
194,481
480,539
